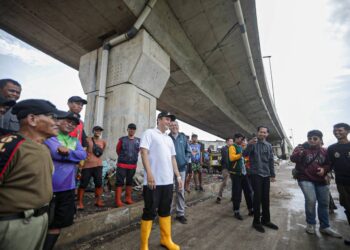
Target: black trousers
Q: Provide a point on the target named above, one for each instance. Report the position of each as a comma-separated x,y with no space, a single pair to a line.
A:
157,201
124,173
63,209
87,173
239,183
261,188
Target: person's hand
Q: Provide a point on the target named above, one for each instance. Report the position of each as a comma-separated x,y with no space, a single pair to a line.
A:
320,171
180,183
272,179
63,150
150,182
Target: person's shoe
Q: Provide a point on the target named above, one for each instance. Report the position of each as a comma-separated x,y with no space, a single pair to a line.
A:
251,212
330,232
128,196
201,189
270,225
181,219
347,242
258,227
146,227
218,200
310,229
165,233
238,216
196,188
118,196
98,196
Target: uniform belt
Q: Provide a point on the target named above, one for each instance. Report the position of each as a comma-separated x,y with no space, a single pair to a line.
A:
37,212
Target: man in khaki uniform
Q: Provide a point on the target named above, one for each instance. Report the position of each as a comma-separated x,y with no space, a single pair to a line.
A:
26,176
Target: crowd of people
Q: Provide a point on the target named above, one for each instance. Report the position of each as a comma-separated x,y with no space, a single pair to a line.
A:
44,149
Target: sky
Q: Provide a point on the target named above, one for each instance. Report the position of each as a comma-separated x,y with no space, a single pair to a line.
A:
309,45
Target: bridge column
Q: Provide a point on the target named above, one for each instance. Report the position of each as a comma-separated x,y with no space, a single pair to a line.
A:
138,71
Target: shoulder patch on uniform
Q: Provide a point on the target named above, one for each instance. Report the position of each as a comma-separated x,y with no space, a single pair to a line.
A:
9,145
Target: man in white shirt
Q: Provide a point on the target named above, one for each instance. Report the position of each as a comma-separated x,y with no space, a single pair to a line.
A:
158,158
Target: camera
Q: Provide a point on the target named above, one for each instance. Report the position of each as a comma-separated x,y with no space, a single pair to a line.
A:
305,145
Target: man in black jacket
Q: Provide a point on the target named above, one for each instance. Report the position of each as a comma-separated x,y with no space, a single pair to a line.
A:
262,173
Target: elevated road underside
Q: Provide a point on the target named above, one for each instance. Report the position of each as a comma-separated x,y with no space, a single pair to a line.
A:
211,85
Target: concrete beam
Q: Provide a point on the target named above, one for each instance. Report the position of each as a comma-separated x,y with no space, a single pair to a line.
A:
166,30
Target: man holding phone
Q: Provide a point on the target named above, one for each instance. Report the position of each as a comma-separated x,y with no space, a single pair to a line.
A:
262,172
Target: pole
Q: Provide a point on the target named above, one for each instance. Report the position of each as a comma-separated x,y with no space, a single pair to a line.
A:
292,136
272,85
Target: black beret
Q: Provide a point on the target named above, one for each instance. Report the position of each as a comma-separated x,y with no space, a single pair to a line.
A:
77,99
34,106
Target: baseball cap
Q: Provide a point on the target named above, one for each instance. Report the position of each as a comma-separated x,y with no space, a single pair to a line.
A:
34,106
77,99
166,114
69,115
97,128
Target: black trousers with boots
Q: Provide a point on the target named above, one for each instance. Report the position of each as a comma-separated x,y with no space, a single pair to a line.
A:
261,188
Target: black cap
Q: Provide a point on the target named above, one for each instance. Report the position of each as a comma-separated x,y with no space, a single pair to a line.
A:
97,128
238,135
132,126
6,102
34,106
77,99
69,115
315,132
166,114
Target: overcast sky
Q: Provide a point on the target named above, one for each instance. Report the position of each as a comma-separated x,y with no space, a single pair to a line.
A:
309,44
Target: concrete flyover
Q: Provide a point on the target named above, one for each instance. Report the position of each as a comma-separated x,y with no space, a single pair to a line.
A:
200,59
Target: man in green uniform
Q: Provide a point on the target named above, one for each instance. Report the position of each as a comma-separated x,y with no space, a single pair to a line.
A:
26,176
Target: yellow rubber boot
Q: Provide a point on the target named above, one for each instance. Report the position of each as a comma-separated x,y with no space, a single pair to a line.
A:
165,233
146,227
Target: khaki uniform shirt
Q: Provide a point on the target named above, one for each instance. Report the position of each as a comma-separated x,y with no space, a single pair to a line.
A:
27,182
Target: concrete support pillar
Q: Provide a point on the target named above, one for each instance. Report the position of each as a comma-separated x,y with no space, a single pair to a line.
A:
138,71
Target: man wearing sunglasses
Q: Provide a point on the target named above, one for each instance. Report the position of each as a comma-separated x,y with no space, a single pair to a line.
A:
26,176
339,156
66,152
312,166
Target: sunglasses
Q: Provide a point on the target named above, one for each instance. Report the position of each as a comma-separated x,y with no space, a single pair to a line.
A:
313,138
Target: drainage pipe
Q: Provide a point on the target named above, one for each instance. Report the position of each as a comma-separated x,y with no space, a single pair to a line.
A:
105,55
244,34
